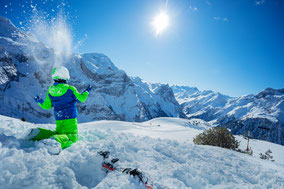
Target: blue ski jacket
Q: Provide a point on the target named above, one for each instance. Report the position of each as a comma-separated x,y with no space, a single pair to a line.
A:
63,98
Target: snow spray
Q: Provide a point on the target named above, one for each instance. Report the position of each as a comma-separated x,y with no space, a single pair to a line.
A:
54,33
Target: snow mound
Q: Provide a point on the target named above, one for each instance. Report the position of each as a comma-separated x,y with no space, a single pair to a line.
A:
156,147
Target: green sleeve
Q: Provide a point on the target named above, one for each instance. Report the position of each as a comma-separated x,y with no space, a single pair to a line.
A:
46,105
81,97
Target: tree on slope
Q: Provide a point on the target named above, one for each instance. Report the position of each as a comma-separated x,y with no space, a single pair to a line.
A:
217,136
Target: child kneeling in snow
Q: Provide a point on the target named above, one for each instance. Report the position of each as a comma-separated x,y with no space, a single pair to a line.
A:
62,97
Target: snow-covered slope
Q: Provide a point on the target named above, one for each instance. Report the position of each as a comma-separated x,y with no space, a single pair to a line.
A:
25,71
162,148
261,114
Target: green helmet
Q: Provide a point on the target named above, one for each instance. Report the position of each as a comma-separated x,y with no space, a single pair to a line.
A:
60,73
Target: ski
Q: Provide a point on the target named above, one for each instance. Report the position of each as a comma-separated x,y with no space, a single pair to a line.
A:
135,172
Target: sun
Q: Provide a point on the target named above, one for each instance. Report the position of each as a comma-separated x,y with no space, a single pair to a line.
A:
160,22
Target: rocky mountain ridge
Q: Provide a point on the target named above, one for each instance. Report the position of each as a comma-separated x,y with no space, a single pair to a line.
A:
261,114
25,71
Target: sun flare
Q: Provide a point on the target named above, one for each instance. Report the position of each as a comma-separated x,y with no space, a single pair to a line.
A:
160,22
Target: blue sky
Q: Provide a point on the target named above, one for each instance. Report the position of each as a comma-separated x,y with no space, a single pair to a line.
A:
235,47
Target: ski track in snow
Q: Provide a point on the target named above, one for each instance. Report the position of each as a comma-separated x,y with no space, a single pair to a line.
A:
162,148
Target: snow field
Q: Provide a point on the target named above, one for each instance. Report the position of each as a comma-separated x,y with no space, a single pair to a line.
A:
173,162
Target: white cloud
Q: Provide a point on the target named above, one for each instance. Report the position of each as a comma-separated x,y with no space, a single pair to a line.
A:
193,8
216,18
223,19
208,3
259,2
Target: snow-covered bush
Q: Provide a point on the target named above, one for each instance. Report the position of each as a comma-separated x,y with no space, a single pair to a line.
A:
217,136
267,155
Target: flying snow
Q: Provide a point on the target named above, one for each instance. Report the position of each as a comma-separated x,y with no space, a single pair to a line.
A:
51,26
55,34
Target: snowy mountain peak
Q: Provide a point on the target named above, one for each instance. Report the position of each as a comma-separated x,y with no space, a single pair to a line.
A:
187,89
182,92
6,24
7,28
270,92
98,63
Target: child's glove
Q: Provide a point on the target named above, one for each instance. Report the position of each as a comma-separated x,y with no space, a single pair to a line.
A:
38,100
89,88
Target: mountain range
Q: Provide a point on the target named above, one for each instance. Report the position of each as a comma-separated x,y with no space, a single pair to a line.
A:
25,71
261,114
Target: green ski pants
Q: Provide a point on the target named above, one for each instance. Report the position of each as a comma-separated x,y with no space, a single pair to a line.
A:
66,132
